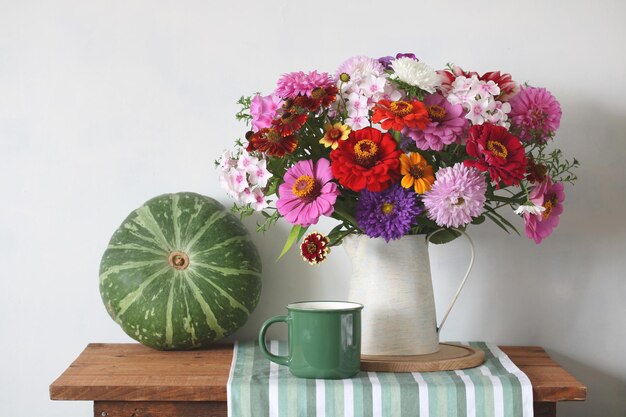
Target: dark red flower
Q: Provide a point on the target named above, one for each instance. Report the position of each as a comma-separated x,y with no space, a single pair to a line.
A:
314,248
536,172
498,152
272,143
321,97
289,122
368,159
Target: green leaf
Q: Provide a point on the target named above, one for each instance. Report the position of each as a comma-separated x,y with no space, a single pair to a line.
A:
478,220
295,235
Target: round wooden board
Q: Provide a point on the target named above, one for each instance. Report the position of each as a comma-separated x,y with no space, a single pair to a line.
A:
448,358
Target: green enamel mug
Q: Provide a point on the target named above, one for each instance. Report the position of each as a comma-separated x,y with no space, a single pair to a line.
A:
324,339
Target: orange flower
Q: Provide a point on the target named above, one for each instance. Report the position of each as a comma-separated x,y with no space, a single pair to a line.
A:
416,172
399,114
272,143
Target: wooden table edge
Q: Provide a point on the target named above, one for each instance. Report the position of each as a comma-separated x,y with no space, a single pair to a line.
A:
60,391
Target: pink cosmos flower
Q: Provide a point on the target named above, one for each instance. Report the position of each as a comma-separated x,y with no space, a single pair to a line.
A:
535,113
263,110
292,84
447,124
307,192
550,196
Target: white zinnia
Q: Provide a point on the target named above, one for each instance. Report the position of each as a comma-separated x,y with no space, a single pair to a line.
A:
530,209
415,73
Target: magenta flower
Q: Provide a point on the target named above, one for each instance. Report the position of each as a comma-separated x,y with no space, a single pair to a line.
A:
447,124
550,196
307,192
457,196
292,84
535,113
263,110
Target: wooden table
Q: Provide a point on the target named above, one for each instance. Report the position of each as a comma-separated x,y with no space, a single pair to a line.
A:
130,380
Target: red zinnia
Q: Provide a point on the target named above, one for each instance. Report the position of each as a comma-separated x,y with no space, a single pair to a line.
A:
498,152
314,248
272,143
367,159
399,114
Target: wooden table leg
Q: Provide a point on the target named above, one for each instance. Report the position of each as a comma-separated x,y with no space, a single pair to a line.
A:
545,409
159,409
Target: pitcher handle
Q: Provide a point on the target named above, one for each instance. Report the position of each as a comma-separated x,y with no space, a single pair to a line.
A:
469,269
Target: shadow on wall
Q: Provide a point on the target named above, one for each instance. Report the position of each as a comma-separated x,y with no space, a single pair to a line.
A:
605,392
287,280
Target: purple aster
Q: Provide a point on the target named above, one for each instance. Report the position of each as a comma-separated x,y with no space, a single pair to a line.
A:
292,84
389,213
447,124
535,113
457,196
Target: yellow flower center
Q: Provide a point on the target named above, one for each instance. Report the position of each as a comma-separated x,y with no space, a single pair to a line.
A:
311,248
387,208
304,186
549,206
365,152
401,108
459,201
436,113
497,149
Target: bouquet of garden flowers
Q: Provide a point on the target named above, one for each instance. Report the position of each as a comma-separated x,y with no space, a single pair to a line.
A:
390,147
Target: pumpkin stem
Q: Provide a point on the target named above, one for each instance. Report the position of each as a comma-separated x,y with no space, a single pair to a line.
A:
178,260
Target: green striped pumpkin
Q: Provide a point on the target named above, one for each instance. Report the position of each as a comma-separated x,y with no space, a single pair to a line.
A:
180,273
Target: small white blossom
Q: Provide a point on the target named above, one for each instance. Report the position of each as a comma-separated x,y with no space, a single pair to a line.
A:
530,209
259,175
416,73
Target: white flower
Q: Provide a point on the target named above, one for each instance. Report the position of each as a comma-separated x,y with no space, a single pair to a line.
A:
416,73
478,110
373,86
357,104
226,160
530,209
246,162
236,180
259,202
357,122
258,174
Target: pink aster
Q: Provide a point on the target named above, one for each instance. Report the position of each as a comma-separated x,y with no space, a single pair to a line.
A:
447,124
535,113
307,192
292,84
457,196
263,110
550,196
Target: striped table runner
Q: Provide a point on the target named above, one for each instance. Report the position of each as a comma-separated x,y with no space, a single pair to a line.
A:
260,388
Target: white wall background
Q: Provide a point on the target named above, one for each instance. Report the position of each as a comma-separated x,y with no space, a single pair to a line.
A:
104,104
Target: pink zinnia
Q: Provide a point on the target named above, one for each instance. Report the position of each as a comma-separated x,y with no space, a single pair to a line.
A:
292,84
447,124
535,113
550,196
263,110
307,192
457,196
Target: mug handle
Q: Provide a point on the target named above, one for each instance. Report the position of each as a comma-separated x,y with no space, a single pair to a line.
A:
281,360
469,269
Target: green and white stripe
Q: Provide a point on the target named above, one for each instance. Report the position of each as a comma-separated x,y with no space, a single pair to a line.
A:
260,388
170,308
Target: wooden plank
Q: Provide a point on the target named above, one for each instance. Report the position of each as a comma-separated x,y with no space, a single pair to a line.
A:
132,372
550,382
159,409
